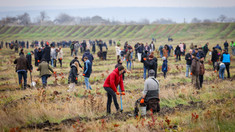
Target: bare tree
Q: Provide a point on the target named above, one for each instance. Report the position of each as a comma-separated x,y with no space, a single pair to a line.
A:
221,18
196,20
43,16
24,19
65,19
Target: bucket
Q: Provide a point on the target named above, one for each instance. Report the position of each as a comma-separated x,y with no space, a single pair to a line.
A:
143,110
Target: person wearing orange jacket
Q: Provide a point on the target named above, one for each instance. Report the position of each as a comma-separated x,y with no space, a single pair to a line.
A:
110,85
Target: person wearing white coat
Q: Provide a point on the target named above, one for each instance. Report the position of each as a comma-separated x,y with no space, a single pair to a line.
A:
60,56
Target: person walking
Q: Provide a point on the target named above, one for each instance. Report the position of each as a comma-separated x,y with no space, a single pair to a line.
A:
128,59
140,50
44,69
22,65
87,72
226,59
110,85
226,45
178,53
188,59
72,48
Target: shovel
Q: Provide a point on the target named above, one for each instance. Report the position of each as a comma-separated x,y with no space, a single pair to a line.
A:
121,99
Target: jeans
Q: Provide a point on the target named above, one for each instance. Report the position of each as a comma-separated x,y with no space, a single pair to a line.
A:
161,54
145,69
128,62
233,50
221,71
88,86
44,79
52,63
24,75
188,68
111,94
71,52
178,57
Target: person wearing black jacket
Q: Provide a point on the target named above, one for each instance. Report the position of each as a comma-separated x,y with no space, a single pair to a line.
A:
144,58
22,66
226,45
29,59
71,63
188,59
73,76
214,57
177,53
35,56
151,63
47,53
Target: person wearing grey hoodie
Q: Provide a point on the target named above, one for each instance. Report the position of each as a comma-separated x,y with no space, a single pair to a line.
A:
150,96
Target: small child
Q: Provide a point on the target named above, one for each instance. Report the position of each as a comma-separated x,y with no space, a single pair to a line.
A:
221,70
164,66
73,76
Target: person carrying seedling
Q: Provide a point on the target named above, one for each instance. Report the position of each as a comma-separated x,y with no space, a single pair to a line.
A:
73,75
60,56
44,69
110,85
150,96
87,72
22,66
164,66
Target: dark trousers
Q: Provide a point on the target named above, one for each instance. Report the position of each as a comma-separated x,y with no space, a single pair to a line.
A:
104,55
214,65
60,61
164,74
178,57
54,62
36,62
44,79
21,75
227,69
149,105
201,80
111,94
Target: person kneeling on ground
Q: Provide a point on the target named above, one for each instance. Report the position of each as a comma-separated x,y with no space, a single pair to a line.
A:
44,71
150,95
110,85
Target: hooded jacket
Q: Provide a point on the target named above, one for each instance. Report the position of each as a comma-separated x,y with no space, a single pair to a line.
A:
87,68
89,56
73,74
113,80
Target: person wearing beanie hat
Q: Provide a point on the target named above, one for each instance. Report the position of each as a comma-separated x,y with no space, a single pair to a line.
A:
150,96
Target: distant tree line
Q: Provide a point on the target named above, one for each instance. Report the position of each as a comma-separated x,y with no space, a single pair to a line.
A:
65,19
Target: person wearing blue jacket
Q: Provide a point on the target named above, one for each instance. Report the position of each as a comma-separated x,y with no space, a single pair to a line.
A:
225,58
87,72
164,66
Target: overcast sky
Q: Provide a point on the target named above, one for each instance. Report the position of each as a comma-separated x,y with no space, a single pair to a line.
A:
117,3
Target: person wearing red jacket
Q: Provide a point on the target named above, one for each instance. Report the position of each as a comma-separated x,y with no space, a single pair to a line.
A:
110,85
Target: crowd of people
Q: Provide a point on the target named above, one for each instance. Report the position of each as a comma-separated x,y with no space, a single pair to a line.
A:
46,56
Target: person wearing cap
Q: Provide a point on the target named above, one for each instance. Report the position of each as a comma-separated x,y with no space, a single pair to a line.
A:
44,69
150,96
110,85
72,48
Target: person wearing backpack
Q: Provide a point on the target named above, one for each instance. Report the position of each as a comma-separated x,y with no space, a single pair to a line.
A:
225,58
201,73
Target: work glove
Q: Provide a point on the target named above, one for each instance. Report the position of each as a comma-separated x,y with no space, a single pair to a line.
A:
54,72
191,73
117,93
123,93
142,101
144,59
83,74
38,60
76,78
